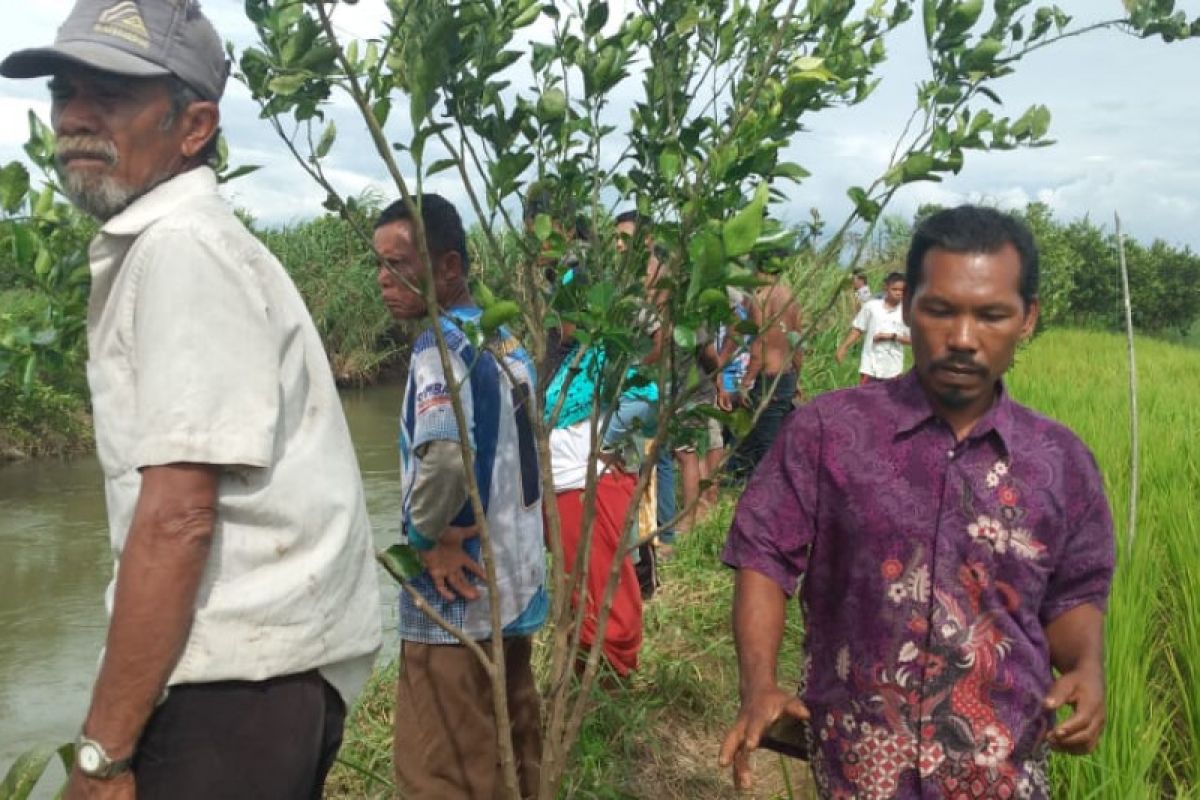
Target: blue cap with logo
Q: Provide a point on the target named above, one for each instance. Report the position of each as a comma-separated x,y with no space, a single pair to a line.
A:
139,38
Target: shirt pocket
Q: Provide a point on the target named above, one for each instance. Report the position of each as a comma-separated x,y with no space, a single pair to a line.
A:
114,412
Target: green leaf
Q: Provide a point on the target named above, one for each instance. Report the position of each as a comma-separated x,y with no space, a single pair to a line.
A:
327,140
441,165
14,185
31,367
543,226
929,14
498,313
286,84
42,262
25,246
963,15
983,55
684,337
25,772
707,256
669,164
527,15
740,233
916,167
401,561
597,17
790,170
867,208
233,174
600,297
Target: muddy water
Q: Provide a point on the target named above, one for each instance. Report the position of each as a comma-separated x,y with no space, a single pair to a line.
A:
55,563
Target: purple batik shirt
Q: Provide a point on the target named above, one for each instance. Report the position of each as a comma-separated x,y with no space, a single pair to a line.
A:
931,568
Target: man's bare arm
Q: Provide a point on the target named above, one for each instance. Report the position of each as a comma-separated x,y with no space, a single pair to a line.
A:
759,613
758,344
159,574
1076,640
843,348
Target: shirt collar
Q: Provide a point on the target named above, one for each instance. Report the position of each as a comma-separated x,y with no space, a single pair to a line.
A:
913,410
161,201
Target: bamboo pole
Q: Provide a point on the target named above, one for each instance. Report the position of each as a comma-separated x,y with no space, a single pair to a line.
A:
1131,524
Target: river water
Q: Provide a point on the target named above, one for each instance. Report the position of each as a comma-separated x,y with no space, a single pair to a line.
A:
55,564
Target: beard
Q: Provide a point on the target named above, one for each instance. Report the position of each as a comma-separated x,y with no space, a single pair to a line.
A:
98,194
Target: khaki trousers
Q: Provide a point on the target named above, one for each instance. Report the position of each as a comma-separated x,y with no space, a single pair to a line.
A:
445,745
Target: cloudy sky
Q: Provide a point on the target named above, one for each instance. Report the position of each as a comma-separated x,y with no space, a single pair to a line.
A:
1126,121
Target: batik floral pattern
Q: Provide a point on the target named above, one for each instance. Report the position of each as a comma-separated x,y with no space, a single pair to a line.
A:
943,675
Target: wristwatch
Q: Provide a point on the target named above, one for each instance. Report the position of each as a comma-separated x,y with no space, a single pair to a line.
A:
95,763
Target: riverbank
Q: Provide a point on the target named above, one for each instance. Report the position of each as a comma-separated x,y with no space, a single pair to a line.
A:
42,422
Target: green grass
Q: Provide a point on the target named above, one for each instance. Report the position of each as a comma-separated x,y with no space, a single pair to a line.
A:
658,738
1152,745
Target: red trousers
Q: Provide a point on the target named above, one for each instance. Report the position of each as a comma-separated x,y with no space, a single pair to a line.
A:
623,633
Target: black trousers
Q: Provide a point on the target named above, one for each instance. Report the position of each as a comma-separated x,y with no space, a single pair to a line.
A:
751,449
260,740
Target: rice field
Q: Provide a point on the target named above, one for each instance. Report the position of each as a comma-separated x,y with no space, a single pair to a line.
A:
1151,747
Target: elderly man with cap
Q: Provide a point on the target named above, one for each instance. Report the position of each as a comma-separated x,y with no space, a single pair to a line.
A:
244,608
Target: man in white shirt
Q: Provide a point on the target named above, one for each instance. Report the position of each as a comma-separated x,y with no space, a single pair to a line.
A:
244,608
862,288
881,325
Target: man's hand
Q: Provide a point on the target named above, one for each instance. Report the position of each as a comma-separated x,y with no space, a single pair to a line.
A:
840,355
1083,691
447,563
81,787
725,400
758,711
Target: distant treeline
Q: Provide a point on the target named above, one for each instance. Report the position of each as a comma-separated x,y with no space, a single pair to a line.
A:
43,408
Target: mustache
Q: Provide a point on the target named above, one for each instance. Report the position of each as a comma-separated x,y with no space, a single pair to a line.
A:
961,363
85,147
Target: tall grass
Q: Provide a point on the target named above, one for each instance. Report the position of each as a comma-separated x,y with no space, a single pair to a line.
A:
334,271
1151,747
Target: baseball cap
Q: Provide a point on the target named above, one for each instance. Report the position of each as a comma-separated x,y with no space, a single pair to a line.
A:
141,38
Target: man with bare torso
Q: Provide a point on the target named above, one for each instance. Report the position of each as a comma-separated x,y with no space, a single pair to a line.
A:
771,378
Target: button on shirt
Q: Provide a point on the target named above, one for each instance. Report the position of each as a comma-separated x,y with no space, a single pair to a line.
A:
930,570
880,359
201,350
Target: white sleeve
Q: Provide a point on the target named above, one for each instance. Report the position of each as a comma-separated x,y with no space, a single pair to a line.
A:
206,355
863,318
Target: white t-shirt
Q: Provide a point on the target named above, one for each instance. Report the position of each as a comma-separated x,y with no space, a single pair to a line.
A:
880,359
569,451
201,350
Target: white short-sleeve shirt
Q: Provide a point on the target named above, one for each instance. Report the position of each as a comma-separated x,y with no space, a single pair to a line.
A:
201,350
880,359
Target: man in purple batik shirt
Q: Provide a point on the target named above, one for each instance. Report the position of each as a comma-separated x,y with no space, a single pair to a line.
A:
956,549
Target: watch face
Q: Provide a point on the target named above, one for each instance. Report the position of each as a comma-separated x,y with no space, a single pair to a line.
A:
90,759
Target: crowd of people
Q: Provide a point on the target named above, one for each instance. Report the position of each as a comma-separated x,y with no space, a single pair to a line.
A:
952,550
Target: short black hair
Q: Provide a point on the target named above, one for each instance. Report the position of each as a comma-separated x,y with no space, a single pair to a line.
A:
973,229
634,216
892,277
443,227
545,197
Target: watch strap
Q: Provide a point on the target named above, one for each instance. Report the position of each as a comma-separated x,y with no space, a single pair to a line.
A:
109,767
